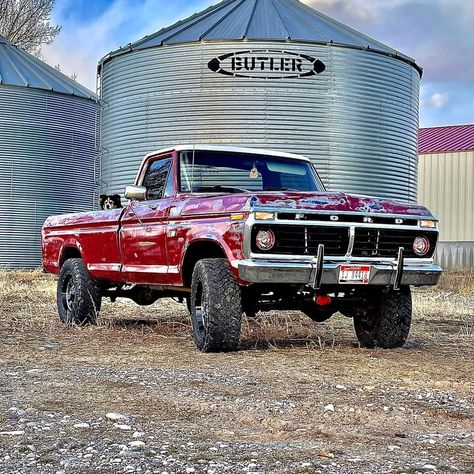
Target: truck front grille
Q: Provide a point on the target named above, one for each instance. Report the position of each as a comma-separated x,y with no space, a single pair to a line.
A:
386,242
304,240
368,242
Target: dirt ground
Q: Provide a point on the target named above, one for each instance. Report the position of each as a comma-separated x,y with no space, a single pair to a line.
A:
134,395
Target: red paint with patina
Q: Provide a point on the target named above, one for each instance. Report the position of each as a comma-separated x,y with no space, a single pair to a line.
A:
117,248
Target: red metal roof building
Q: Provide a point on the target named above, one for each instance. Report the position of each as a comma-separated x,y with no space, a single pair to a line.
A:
446,186
446,139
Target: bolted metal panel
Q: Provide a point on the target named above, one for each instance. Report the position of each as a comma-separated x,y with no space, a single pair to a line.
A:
357,120
446,186
46,166
455,255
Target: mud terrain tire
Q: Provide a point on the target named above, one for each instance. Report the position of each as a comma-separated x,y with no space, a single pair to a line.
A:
78,295
388,325
216,306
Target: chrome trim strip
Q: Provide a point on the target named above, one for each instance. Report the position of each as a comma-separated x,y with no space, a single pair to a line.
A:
308,259
104,267
317,270
345,224
158,269
225,148
399,269
247,243
352,234
278,210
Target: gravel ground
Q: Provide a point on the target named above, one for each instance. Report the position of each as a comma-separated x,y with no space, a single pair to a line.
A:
133,395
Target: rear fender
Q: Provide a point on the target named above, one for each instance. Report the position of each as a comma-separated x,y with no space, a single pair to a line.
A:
70,246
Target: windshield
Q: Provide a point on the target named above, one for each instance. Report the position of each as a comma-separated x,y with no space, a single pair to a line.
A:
218,171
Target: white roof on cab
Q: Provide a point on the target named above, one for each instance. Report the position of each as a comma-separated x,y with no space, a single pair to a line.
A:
228,149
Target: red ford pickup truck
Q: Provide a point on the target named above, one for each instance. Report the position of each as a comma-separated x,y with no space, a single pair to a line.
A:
233,230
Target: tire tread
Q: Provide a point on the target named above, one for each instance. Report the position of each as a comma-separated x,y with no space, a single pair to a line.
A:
224,303
394,315
88,296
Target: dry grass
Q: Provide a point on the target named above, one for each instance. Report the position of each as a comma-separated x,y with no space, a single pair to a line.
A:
276,388
28,301
460,282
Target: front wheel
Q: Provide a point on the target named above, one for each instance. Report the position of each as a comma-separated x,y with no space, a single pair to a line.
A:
78,295
386,322
216,306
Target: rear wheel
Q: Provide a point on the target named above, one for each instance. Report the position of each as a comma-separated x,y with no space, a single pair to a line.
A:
386,323
78,295
216,306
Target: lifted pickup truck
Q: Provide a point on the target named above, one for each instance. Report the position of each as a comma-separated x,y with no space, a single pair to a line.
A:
232,230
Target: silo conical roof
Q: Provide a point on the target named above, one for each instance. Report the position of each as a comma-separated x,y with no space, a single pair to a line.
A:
21,69
262,20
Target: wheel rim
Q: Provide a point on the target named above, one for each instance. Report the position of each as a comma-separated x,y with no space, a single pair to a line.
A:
68,293
201,310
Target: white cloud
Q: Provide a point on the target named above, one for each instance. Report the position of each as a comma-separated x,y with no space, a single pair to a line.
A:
437,100
437,33
81,45
368,10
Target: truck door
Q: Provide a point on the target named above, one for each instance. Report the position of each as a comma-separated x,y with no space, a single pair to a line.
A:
143,231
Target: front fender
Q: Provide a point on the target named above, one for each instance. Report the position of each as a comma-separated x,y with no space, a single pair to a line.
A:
227,236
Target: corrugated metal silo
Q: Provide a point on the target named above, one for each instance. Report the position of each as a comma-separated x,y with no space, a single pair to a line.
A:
271,74
47,145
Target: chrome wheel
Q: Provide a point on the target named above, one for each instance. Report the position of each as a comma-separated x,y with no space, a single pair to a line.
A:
68,293
201,311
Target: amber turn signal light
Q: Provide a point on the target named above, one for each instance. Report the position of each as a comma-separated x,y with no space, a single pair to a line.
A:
428,224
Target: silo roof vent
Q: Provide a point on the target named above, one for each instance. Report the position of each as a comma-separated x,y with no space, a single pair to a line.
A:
261,20
21,69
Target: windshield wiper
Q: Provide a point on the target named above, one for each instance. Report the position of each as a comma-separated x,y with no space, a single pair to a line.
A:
274,188
222,189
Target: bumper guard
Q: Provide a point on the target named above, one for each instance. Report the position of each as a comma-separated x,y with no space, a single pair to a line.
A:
317,273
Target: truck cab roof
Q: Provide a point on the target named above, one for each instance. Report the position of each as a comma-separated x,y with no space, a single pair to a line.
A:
227,148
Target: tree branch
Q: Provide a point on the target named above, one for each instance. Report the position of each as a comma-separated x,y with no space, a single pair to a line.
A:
27,23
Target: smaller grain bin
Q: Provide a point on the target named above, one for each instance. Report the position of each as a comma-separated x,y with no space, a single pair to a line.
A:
47,148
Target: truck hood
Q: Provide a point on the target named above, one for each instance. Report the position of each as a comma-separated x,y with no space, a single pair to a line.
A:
286,200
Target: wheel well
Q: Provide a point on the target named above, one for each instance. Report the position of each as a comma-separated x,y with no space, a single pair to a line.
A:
195,252
70,252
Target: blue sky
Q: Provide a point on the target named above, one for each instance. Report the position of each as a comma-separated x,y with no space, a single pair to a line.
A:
437,33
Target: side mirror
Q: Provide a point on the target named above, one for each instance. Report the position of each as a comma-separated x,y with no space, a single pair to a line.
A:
136,193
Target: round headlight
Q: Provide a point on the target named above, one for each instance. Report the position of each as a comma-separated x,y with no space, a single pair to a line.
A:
265,240
421,246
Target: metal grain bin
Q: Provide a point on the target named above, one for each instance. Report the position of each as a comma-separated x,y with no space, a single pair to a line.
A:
270,74
47,147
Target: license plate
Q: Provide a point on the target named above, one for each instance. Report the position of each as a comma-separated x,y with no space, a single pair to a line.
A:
354,274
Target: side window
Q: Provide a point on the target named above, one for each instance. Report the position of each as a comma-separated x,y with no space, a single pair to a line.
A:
158,179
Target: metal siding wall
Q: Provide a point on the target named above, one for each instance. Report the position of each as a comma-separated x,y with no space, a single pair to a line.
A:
46,166
446,187
455,255
358,121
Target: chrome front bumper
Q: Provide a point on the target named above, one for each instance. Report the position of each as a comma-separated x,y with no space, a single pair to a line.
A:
381,274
